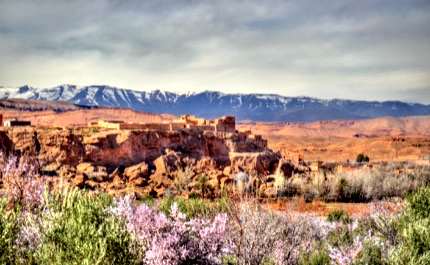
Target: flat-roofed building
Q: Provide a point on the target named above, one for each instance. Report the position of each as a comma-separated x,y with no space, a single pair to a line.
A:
16,123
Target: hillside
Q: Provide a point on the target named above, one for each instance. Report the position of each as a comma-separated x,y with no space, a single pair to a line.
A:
39,105
382,138
384,126
81,117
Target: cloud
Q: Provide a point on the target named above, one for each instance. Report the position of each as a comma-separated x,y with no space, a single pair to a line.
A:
356,49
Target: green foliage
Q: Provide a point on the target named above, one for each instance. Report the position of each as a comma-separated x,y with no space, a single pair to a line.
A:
315,257
267,261
338,216
362,158
341,236
414,247
229,260
147,199
419,204
8,232
370,254
195,207
80,230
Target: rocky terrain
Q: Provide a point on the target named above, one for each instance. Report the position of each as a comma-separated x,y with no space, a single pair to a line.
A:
155,162
145,162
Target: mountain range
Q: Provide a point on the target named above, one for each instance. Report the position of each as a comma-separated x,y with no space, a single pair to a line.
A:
210,104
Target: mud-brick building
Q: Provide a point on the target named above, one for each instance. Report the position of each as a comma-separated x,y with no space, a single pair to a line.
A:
16,123
225,124
110,124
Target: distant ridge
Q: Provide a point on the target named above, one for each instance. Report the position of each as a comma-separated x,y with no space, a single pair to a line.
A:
210,104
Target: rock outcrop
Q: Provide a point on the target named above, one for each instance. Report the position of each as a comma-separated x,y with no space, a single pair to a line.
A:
148,161
6,145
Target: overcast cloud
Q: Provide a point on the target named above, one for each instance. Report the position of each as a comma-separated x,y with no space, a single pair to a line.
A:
367,49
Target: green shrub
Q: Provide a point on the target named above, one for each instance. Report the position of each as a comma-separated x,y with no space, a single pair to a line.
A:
267,261
370,254
80,230
338,216
415,244
414,227
315,257
229,260
147,199
8,232
341,236
418,204
195,207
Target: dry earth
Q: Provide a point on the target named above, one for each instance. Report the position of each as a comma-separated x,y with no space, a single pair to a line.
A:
83,116
382,139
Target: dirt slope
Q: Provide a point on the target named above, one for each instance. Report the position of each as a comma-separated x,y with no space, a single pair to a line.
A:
83,116
382,139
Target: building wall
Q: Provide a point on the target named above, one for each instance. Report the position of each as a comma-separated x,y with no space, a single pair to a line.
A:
225,124
109,125
12,123
222,126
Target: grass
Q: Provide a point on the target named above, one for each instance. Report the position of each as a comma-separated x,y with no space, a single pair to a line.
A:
195,207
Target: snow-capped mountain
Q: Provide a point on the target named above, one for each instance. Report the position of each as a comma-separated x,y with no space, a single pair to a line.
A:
209,104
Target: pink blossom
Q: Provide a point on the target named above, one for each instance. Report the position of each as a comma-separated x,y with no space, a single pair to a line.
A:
170,240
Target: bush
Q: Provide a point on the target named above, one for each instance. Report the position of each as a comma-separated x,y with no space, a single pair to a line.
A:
350,191
195,207
262,236
288,190
338,216
370,254
256,234
173,239
79,230
315,257
418,204
340,237
414,247
8,231
362,158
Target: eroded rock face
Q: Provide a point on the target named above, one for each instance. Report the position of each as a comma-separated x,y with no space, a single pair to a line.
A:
259,163
150,161
140,170
6,145
53,147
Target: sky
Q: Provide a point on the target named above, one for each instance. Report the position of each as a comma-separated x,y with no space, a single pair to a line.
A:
366,49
